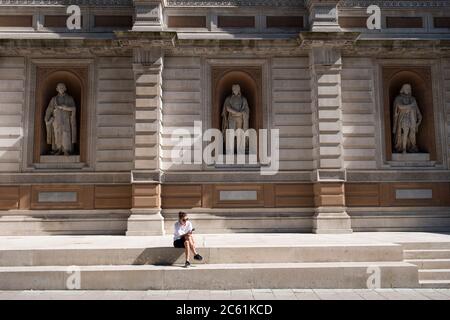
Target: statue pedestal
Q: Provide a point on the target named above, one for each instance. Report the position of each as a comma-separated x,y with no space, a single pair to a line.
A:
59,162
60,159
238,162
411,160
411,157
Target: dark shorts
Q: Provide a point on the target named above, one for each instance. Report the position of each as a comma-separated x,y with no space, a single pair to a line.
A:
179,243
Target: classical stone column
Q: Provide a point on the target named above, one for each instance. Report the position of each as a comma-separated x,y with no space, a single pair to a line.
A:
146,218
329,176
324,42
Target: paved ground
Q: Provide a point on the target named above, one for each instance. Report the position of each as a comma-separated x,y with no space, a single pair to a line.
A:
255,294
218,240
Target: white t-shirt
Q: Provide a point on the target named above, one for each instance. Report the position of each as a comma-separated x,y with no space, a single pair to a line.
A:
181,229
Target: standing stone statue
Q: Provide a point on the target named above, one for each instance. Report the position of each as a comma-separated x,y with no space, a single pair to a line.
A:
61,123
407,119
235,115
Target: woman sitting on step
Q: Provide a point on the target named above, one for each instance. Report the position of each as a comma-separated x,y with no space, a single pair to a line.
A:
183,237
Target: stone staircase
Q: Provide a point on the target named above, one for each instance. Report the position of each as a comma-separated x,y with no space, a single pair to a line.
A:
233,267
433,261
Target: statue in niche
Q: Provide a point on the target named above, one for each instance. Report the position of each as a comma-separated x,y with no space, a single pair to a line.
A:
407,119
235,115
61,123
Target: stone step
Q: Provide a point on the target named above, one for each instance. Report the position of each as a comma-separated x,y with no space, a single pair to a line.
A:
211,276
425,245
434,274
427,254
434,283
212,255
430,263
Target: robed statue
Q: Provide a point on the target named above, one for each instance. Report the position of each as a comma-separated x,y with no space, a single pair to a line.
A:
407,119
235,115
61,123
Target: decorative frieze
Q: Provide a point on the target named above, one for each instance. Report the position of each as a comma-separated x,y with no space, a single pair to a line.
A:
394,4
110,3
234,3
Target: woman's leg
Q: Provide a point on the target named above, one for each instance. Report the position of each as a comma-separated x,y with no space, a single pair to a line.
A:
192,244
186,248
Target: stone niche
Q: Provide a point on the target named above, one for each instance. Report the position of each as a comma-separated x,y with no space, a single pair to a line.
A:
47,79
421,83
250,81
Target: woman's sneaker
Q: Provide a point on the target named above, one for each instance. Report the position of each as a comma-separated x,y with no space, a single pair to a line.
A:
187,264
198,257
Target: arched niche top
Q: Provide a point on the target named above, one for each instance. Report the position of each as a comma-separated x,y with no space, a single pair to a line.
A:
420,80
47,80
249,79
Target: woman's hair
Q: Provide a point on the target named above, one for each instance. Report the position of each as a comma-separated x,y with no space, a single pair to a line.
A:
181,215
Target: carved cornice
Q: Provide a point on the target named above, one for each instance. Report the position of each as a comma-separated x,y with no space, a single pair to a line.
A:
61,47
72,53
109,3
242,47
395,4
329,39
134,39
362,48
234,3
400,48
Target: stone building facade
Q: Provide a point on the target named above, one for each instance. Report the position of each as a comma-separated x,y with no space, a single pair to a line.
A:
138,70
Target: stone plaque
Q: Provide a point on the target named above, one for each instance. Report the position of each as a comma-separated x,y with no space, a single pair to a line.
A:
50,196
246,195
413,194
